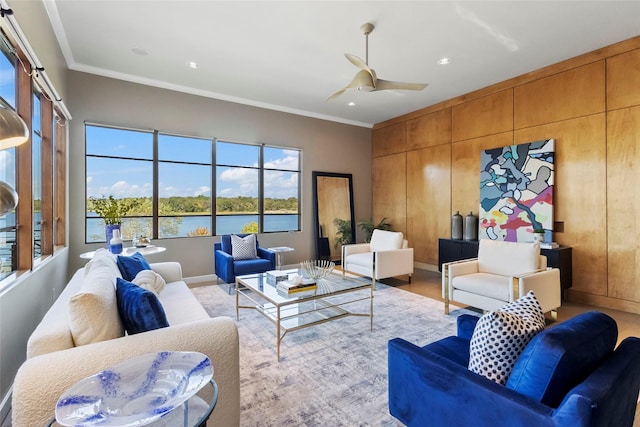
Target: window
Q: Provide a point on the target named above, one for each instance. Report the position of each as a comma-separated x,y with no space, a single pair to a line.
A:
29,168
237,183
8,241
36,172
119,162
257,188
172,178
184,186
281,189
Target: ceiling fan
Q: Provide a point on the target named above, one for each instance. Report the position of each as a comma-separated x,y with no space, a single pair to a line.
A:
366,79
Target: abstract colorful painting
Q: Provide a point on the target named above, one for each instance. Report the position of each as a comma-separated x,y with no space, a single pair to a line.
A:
516,191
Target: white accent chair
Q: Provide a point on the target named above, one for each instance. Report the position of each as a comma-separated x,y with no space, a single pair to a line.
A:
503,272
386,255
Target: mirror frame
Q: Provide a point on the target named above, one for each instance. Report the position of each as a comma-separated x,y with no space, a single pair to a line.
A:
319,243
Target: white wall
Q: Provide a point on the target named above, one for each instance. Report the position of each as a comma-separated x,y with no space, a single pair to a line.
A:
327,146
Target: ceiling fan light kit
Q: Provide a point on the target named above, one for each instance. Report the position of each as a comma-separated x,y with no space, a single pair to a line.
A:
366,80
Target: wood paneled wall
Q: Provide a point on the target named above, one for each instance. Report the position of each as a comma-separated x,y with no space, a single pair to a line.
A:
426,164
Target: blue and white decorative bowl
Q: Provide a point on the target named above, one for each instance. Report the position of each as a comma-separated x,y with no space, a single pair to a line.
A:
135,392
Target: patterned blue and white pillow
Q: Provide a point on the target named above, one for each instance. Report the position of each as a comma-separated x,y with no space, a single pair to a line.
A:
243,247
500,337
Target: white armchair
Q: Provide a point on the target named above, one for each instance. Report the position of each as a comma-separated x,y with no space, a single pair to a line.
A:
387,255
503,272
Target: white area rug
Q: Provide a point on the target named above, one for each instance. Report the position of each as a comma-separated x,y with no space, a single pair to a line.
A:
329,375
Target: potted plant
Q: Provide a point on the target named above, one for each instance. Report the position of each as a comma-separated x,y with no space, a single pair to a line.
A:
344,232
538,235
367,226
112,210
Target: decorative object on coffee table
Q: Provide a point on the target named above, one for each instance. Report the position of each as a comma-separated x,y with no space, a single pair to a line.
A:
318,269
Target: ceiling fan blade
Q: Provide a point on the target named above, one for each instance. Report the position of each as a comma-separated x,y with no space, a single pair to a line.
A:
357,61
337,94
389,85
364,80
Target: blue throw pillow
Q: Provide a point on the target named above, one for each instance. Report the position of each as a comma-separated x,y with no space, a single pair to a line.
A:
139,309
130,266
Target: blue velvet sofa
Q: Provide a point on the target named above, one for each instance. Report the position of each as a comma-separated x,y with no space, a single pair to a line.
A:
227,268
568,375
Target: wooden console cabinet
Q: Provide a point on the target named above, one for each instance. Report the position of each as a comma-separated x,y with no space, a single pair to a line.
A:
454,250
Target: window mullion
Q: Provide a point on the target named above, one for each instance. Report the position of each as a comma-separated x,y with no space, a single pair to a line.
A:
24,232
214,193
46,155
60,177
155,201
261,190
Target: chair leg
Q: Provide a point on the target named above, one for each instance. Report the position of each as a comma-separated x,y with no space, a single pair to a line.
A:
409,279
445,283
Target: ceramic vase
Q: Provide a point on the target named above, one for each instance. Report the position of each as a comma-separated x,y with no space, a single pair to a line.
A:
109,231
456,226
471,227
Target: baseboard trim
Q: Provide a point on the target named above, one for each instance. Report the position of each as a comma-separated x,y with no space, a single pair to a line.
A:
425,266
602,301
200,279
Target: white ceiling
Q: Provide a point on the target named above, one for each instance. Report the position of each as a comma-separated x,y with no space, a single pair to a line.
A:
289,55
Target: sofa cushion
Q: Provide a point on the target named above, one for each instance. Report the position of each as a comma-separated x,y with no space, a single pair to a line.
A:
364,259
452,348
130,266
251,266
139,309
508,258
243,247
562,356
501,335
93,311
382,240
150,280
485,284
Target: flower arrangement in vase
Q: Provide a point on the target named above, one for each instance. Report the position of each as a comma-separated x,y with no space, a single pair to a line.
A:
112,210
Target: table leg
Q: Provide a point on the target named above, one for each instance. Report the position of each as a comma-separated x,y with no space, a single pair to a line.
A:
237,302
278,331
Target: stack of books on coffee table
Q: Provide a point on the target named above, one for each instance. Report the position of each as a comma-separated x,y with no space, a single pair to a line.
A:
296,284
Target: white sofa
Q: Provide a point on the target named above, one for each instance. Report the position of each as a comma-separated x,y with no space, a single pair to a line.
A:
54,361
503,272
386,255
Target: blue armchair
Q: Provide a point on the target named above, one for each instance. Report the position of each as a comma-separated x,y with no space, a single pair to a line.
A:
227,268
568,375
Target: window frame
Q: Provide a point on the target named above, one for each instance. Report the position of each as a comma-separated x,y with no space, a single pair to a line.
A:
51,158
156,217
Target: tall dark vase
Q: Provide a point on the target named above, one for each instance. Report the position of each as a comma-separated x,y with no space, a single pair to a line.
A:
109,231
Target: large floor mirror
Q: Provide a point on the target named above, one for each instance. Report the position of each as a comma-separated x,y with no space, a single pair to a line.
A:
333,210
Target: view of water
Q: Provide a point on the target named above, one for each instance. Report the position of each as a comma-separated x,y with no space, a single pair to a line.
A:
225,224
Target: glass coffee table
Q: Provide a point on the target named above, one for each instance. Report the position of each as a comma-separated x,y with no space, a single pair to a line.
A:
290,312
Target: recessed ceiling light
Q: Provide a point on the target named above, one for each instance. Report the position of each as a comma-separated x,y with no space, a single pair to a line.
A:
192,64
139,51
351,104
444,61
